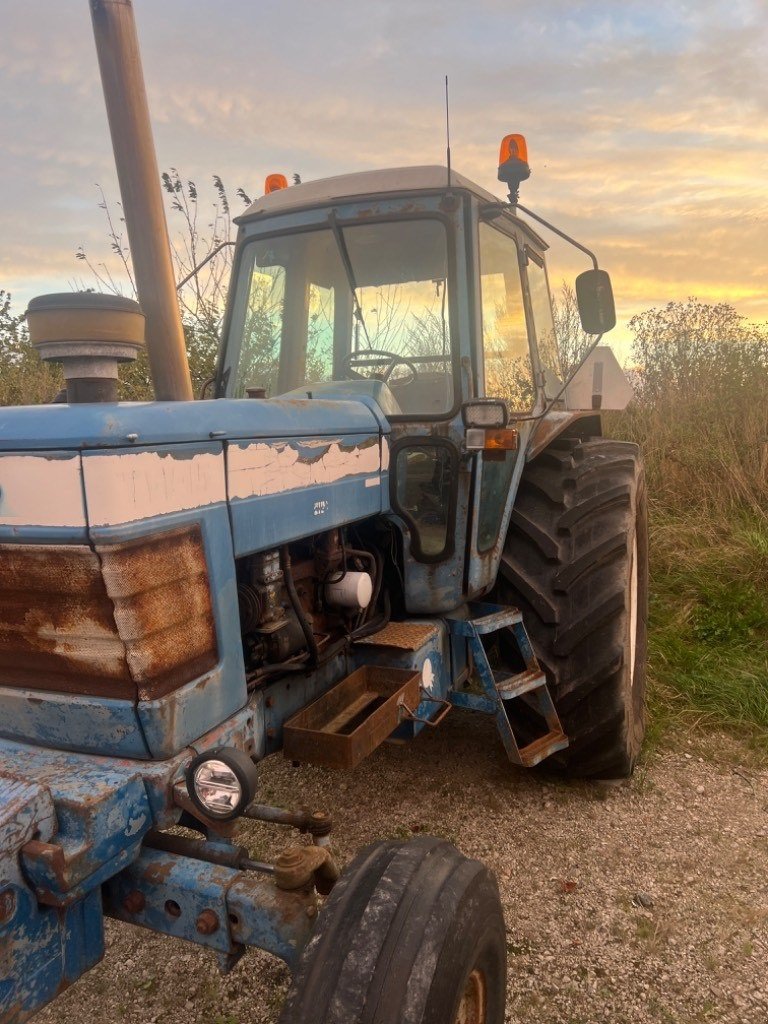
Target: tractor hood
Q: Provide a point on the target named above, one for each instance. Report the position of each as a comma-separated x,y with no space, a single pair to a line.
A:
46,427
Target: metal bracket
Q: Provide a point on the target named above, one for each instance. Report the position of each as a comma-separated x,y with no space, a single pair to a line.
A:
411,716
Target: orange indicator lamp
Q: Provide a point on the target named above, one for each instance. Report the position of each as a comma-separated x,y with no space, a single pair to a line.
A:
493,443
274,182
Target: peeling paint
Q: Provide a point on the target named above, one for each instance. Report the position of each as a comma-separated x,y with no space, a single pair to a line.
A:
41,490
272,468
136,485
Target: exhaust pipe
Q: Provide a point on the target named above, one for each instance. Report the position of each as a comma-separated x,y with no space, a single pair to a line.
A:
117,46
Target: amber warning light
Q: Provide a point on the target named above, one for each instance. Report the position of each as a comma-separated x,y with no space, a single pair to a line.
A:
513,163
274,182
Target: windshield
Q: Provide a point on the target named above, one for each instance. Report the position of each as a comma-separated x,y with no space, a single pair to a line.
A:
362,302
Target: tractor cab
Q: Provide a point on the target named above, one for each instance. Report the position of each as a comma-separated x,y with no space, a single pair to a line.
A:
416,290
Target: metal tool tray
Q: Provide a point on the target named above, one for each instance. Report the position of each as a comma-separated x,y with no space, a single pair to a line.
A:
353,718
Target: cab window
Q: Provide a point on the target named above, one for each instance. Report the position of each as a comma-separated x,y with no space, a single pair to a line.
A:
506,351
357,302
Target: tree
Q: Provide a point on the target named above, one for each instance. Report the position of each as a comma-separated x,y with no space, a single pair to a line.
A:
689,349
702,410
200,232
24,378
572,340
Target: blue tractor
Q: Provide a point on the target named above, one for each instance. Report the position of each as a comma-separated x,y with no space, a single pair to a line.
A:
388,507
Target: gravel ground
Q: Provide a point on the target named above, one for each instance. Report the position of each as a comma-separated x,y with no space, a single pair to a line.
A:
637,903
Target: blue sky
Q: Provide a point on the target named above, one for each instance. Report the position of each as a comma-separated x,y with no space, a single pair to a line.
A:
647,124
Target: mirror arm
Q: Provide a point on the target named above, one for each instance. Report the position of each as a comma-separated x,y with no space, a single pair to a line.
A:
557,231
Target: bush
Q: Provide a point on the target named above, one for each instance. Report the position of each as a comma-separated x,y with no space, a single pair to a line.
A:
701,414
24,378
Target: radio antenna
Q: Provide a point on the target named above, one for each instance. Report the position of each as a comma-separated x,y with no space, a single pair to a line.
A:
447,132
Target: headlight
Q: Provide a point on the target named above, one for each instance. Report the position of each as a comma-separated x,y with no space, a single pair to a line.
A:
222,782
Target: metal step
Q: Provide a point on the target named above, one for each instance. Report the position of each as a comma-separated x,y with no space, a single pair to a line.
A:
513,686
545,745
485,619
501,689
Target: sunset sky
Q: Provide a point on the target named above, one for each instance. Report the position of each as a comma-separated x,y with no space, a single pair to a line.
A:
647,124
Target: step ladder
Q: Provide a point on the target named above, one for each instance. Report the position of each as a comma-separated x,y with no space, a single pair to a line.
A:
501,689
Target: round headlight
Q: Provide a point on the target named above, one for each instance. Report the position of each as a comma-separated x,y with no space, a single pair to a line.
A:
222,782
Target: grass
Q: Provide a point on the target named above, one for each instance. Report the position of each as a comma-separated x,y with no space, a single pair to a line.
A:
706,454
709,618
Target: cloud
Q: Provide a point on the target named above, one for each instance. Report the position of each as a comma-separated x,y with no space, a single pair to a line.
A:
646,123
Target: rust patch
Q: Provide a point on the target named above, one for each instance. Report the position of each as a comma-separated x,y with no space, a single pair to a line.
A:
130,620
162,606
157,873
56,623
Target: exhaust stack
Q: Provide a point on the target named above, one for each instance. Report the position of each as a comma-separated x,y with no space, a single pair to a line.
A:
114,30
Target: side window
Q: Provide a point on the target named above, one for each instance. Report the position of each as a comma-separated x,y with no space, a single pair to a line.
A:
506,352
543,321
425,480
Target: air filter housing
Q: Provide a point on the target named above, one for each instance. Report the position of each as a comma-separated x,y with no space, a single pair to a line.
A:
89,334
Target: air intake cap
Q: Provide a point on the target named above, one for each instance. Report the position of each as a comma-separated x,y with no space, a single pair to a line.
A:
89,334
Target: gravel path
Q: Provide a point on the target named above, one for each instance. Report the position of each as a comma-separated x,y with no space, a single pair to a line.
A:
638,903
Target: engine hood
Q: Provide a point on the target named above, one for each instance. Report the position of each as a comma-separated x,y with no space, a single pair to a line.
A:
77,427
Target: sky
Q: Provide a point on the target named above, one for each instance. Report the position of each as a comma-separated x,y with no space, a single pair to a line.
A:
647,123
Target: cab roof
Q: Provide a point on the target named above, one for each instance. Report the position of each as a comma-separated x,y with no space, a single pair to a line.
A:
364,183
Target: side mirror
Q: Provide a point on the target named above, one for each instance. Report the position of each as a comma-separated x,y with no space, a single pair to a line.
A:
594,296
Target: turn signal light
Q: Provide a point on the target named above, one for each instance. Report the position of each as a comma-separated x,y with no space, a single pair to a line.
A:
501,439
274,182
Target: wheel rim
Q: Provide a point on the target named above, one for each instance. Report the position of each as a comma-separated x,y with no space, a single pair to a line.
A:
633,613
474,1002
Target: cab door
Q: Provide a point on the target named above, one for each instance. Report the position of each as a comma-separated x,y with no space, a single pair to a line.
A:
508,371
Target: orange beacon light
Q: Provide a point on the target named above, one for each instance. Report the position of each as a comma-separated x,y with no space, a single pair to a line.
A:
274,182
513,164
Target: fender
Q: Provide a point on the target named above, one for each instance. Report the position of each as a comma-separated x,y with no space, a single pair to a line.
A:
563,423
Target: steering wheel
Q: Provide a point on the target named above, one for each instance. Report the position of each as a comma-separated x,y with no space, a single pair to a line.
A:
366,358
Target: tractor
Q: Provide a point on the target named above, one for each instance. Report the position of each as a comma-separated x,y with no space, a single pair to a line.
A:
387,507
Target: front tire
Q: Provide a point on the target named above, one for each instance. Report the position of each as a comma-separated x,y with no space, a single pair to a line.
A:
575,563
413,933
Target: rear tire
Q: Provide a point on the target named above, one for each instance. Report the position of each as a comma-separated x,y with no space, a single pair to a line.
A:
575,562
413,933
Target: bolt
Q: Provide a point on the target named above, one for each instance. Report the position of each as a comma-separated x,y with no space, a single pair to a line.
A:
207,922
134,902
320,825
7,906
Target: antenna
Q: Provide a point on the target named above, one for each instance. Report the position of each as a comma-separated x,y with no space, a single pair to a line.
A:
447,132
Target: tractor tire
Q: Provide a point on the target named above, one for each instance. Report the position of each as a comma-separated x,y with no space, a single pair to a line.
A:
575,562
413,933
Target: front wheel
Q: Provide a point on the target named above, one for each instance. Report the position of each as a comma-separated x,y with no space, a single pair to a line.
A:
413,933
